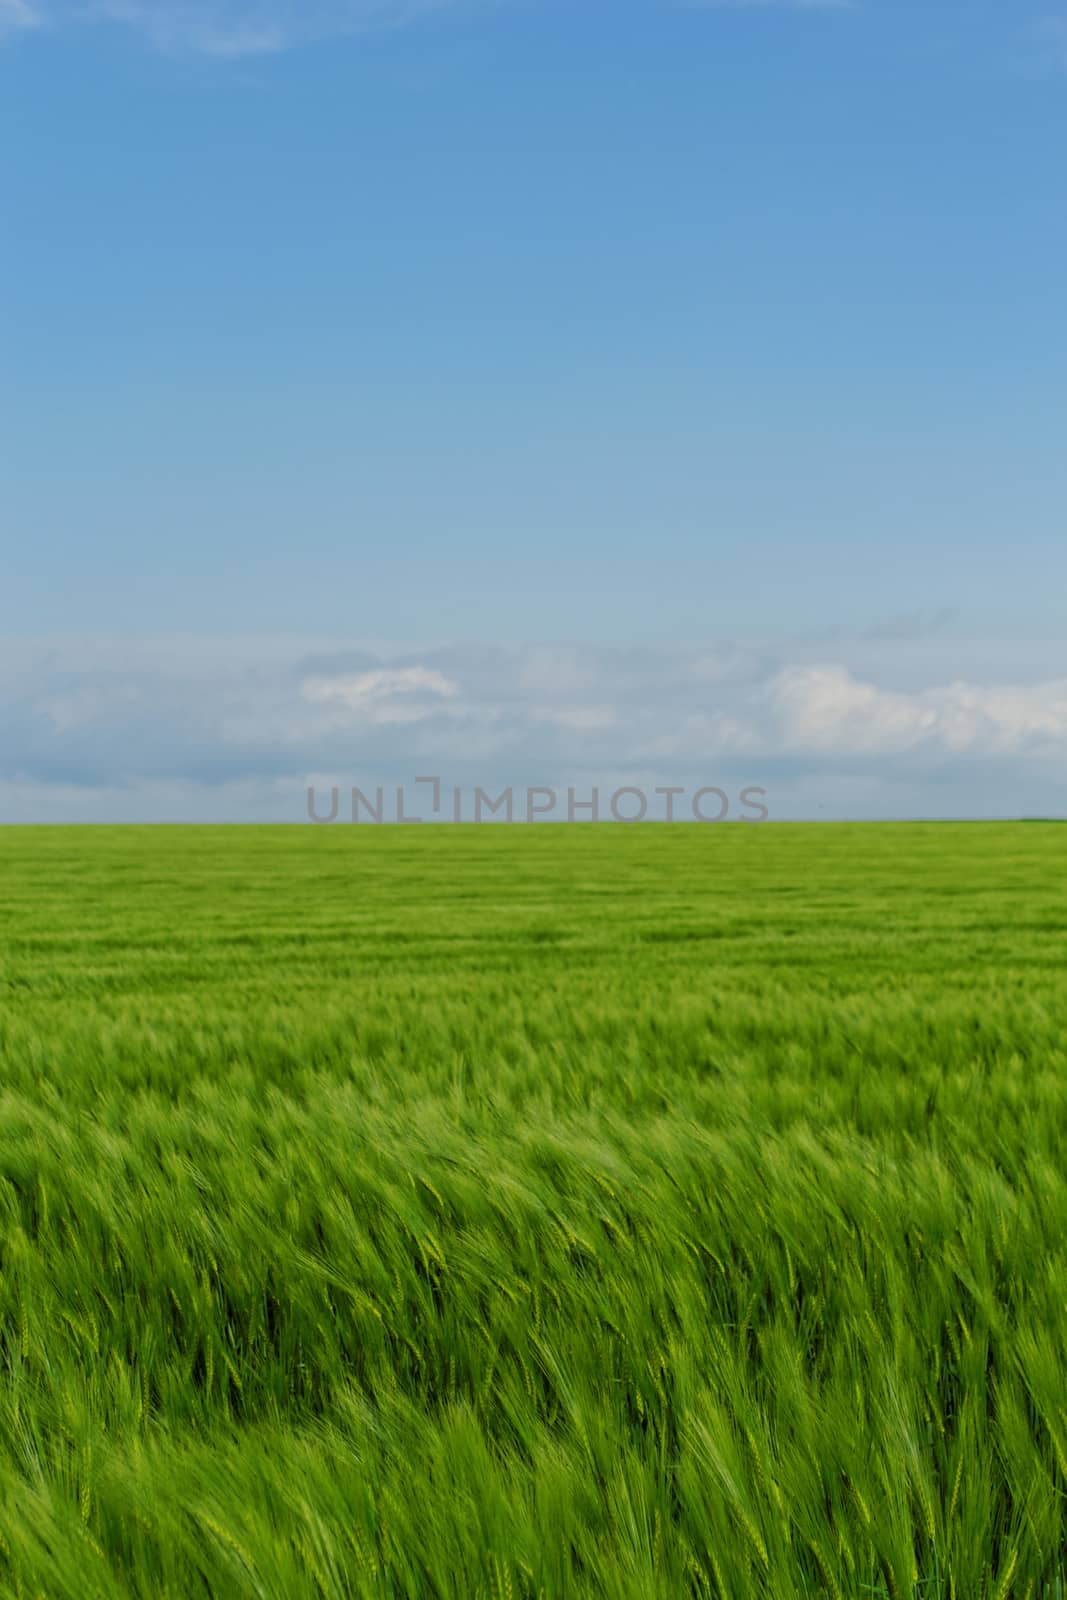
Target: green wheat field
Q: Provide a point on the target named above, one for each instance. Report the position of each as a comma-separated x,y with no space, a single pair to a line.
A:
498,1213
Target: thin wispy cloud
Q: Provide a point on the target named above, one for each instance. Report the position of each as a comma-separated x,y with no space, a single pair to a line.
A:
18,16
768,5
224,28
1053,35
204,29
241,28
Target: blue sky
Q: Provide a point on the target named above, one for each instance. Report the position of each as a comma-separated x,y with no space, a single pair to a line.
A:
381,333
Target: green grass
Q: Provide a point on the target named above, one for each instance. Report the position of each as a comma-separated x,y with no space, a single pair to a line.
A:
487,1212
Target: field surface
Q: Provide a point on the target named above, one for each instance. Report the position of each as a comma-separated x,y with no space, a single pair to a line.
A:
496,1213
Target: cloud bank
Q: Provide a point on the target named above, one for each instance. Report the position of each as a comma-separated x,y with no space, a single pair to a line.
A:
237,730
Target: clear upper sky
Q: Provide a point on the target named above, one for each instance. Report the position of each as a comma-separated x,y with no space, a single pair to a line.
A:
627,319
633,321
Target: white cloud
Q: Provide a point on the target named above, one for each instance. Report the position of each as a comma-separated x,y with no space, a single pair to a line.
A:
385,697
826,708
